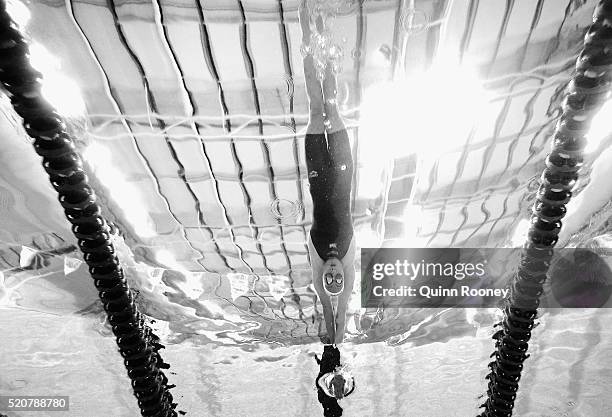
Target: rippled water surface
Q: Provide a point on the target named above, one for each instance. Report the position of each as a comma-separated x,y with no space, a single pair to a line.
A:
566,375
190,117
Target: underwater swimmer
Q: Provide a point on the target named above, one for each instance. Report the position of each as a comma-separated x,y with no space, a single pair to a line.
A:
330,171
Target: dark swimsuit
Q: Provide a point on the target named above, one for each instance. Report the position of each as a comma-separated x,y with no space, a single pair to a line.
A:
330,173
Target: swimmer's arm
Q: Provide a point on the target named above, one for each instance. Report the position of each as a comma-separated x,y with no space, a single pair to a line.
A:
348,264
317,282
315,260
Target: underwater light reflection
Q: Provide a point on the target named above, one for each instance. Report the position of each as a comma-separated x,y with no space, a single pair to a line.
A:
164,256
367,238
427,113
415,219
120,190
62,92
600,127
240,284
19,12
519,237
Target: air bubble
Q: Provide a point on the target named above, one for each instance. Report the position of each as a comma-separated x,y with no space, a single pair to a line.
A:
335,52
282,208
343,93
305,49
290,87
385,50
324,50
414,21
337,68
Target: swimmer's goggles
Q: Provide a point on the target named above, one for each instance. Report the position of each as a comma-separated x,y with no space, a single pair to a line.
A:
333,283
329,278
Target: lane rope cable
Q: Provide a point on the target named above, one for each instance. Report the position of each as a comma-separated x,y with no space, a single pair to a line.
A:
137,343
586,92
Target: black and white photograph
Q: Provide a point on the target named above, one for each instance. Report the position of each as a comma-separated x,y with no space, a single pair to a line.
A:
305,208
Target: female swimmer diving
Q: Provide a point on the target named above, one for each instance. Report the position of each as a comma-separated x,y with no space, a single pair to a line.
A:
330,170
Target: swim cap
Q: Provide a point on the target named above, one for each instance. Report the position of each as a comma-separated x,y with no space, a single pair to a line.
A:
337,384
333,276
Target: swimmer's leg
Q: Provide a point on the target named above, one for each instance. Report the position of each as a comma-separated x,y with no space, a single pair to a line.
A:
313,86
344,298
330,91
340,156
317,155
342,307
337,137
